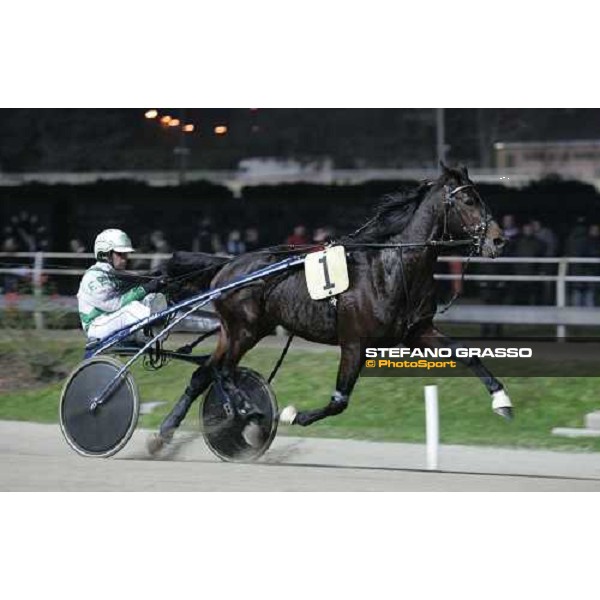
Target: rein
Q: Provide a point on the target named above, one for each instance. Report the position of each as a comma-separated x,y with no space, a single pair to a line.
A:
429,244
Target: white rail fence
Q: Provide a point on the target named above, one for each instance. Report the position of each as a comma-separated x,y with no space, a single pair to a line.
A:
560,315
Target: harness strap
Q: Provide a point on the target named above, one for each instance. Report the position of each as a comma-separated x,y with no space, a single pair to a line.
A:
429,244
187,349
404,284
281,358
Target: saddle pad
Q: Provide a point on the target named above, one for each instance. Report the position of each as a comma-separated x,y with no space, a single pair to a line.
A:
326,272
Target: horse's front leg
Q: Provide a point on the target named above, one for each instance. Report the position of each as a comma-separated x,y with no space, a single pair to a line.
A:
348,370
433,338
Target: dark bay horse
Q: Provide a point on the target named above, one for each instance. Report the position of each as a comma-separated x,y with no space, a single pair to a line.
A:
391,293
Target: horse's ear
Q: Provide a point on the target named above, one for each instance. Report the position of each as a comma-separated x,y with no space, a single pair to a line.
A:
463,170
445,169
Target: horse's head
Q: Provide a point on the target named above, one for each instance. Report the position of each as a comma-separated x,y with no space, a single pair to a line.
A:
465,215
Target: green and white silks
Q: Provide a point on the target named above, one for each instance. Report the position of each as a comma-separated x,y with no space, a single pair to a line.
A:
104,309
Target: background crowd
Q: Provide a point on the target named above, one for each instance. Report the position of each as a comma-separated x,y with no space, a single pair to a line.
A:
530,238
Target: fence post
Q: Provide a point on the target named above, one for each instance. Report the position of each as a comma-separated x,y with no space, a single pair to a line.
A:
38,265
561,295
432,426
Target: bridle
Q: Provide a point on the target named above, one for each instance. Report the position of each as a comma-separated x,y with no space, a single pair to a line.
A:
478,232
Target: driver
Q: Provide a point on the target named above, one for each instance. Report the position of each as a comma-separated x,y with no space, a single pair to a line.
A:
105,306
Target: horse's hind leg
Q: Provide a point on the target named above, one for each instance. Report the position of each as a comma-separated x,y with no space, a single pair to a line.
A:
243,337
201,379
433,338
350,364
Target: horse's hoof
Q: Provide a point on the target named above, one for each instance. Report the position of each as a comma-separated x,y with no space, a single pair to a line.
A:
155,443
252,434
505,411
502,405
288,415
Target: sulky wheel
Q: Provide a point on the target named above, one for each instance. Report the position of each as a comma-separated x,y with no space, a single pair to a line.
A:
225,434
106,430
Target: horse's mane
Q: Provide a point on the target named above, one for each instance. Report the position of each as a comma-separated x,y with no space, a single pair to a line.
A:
392,214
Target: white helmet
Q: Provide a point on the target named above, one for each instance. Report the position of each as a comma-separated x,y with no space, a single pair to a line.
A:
111,240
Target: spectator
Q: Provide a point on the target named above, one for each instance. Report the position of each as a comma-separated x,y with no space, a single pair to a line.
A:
546,236
203,240
549,239
251,239
455,268
298,238
576,238
144,247
526,245
217,244
29,234
576,246
10,283
76,246
511,232
159,246
509,227
235,245
585,292
10,245
159,242
67,286
322,235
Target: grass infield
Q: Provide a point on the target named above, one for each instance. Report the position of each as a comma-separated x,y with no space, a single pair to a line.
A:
380,409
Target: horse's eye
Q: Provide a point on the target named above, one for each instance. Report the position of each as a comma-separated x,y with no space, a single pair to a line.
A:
469,201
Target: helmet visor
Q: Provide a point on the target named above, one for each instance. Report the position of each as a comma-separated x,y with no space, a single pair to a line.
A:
123,249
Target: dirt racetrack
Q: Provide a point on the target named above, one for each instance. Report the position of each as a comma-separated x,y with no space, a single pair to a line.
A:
34,457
